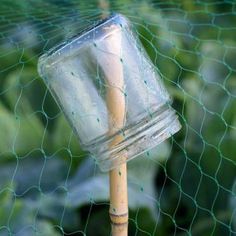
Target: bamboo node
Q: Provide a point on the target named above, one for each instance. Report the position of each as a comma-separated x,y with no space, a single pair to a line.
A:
119,219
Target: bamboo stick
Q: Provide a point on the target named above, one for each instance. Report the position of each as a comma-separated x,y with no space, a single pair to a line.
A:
119,201
115,98
108,54
118,177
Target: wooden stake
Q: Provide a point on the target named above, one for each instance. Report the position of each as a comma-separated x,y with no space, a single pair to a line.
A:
108,54
119,201
110,59
118,177
104,5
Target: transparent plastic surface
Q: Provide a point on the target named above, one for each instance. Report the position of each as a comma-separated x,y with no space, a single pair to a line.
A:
81,72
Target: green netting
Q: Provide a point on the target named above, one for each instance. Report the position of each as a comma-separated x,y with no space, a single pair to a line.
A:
185,186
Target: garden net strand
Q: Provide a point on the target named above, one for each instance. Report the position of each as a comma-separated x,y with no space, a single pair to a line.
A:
185,186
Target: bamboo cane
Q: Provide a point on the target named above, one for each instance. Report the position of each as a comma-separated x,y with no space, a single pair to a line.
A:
118,177
108,54
116,105
113,69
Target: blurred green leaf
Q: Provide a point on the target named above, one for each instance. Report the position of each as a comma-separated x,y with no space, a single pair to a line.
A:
34,175
16,133
38,185
63,136
20,217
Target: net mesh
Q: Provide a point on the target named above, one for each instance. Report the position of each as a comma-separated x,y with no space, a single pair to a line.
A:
185,186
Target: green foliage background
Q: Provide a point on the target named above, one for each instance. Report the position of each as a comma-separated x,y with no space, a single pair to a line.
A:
185,186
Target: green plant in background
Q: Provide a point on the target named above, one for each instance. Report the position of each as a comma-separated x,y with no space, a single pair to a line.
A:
185,186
